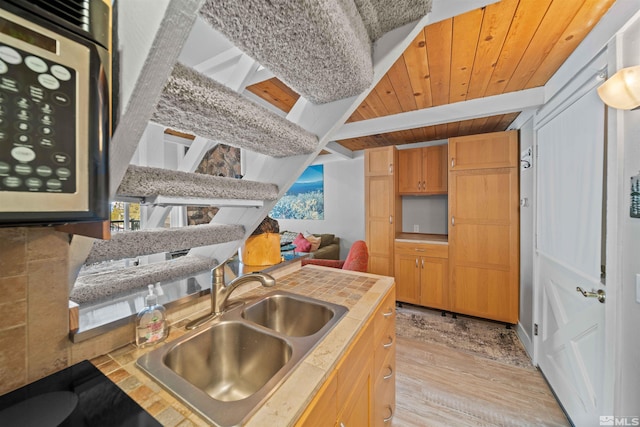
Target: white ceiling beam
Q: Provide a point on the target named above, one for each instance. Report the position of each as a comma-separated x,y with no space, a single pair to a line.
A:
335,148
242,71
218,60
445,9
260,76
449,113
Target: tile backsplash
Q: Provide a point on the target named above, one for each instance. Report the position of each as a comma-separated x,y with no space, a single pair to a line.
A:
34,309
33,304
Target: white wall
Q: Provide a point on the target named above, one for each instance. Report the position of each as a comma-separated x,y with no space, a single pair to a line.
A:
343,203
429,213
525,328
629,398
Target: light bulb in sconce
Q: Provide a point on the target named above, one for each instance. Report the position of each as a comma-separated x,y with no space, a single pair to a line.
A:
622,90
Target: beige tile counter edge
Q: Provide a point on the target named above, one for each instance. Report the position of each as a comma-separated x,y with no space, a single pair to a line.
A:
290,399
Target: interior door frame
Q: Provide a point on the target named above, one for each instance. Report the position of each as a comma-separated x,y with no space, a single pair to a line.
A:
586,80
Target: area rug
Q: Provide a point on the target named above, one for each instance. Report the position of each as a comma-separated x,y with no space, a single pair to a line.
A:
482,338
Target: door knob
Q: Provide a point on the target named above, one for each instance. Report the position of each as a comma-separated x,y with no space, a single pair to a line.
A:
600,294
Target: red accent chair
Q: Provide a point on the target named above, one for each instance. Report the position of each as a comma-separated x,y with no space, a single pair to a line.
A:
357,259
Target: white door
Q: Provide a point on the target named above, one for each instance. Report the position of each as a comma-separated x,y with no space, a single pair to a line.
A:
571,338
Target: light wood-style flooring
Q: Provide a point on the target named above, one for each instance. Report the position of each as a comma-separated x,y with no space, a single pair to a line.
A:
440,386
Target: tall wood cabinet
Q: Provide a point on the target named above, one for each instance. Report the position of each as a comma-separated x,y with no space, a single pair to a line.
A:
383,208
423,171
484,225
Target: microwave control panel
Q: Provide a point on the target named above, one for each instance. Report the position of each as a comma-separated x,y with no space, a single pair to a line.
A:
37,124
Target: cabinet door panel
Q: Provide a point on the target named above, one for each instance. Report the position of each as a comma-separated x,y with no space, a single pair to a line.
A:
323,410
379,161
435,169
379,224
410,171
483,195
489,150
484,292
357,411
433,283
484,243
407,278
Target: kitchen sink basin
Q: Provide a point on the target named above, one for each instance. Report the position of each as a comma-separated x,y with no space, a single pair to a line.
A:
289,315
245,359
227,369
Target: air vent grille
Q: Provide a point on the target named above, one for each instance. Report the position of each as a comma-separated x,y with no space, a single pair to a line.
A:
76,12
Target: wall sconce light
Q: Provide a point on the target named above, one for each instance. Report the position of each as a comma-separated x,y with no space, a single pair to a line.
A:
622,90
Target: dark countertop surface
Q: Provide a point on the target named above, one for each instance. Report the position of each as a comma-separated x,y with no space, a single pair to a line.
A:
78,396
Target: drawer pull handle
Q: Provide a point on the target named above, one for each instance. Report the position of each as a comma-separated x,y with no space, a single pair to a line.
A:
389,344
390,374
386,420
388,313
420,250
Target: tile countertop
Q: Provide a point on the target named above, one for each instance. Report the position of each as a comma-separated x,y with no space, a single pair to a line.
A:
438,239
359,292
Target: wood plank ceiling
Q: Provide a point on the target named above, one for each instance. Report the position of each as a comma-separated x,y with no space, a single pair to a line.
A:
504,47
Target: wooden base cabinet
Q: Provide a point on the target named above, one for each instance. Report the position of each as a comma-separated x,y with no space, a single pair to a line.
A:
422,272
361,391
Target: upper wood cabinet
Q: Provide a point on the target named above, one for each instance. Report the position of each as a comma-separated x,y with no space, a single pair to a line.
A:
484,151
423,170
379,161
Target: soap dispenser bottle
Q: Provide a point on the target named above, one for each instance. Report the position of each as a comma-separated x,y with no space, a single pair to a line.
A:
151,325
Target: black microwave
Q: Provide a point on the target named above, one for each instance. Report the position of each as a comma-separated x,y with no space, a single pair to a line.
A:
55,110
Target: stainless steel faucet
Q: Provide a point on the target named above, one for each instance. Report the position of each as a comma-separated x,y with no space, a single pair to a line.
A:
220,291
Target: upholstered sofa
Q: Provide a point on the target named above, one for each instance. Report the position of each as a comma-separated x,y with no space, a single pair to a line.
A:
329,244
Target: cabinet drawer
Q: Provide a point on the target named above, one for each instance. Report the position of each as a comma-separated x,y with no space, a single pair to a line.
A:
423,249
385,317
384,349
385,397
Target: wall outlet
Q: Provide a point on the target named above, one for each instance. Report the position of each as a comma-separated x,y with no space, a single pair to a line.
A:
638,288
416,228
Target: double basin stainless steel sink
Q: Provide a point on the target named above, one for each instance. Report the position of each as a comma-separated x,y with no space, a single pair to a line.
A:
226,370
